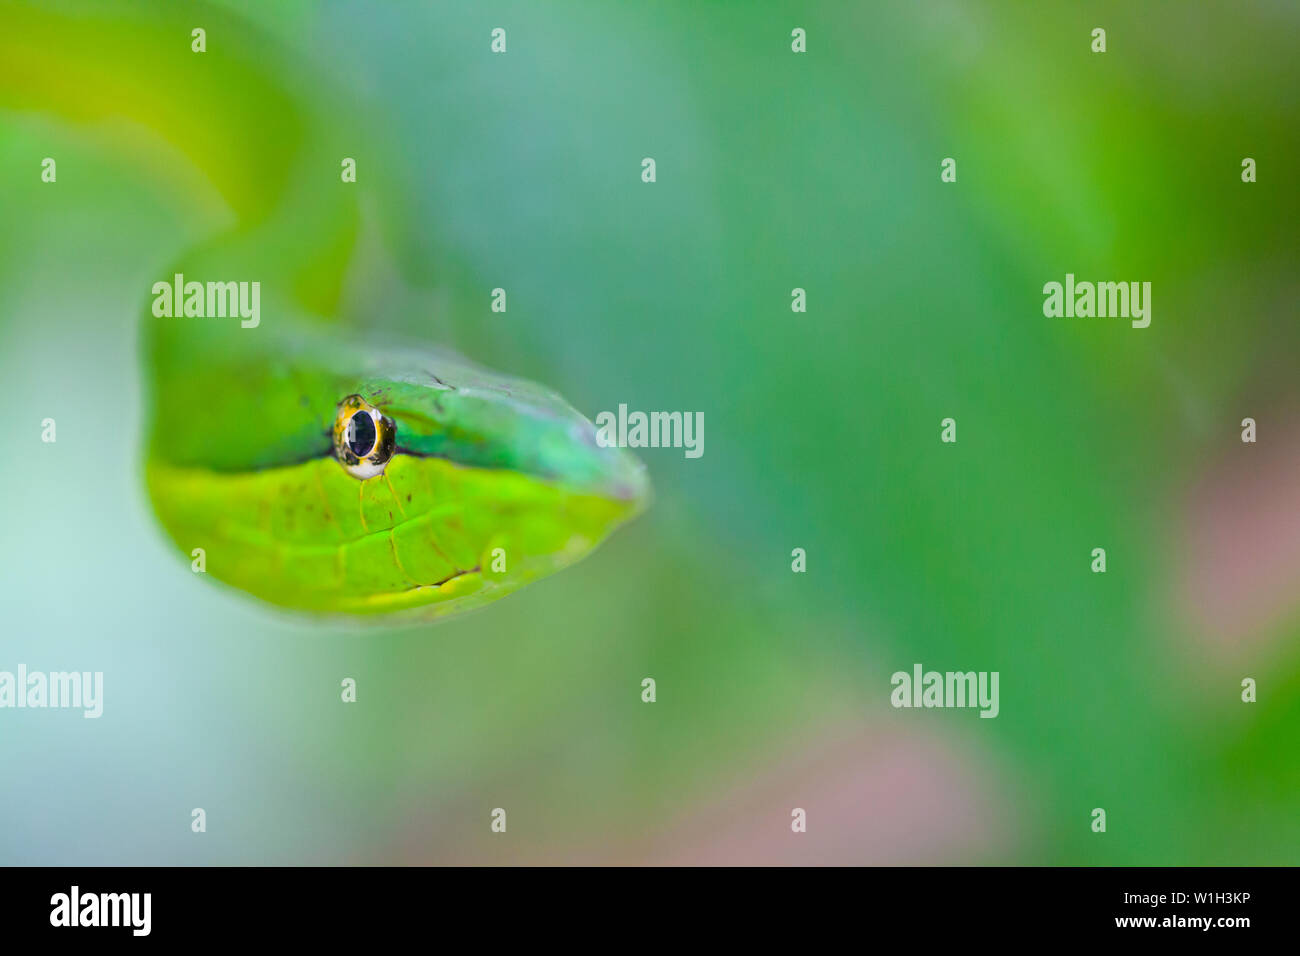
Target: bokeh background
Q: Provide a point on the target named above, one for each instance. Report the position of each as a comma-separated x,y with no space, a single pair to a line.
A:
775,170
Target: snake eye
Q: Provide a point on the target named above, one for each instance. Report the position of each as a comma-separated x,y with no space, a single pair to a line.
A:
360,434
363,437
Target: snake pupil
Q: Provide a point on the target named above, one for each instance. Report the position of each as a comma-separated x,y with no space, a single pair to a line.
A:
361,434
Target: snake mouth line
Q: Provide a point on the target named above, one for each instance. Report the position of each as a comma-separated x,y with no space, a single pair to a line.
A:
451,577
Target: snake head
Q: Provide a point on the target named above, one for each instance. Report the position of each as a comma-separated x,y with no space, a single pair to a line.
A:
429,493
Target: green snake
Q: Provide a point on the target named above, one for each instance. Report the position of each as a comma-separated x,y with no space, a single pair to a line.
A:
308,462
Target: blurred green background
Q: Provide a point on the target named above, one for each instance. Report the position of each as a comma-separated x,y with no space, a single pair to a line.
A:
775,170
